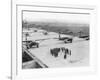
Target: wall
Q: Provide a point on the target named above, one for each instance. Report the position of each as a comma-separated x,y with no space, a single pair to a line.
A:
5,37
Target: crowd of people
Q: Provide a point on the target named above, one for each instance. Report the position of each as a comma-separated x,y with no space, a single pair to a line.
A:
65,51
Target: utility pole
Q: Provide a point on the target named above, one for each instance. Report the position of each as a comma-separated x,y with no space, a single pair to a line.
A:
59,35
26,39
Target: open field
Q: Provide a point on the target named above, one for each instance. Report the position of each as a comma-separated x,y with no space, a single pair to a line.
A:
79,48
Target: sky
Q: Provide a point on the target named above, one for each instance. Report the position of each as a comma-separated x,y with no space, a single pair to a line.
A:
58,17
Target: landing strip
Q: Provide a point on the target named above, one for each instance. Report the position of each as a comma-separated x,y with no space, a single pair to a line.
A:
79,48
79,57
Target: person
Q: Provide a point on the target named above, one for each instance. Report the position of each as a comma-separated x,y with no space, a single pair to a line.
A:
70,52
65,56
54,52
51,51
66,52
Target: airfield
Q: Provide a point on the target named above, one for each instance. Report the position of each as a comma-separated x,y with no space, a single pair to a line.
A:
79,48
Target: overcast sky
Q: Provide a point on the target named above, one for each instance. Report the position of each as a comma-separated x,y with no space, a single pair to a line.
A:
59,17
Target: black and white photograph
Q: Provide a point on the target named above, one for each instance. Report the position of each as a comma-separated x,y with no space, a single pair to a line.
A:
52,40
55,39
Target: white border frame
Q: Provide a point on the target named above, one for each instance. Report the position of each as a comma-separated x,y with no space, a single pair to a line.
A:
16,38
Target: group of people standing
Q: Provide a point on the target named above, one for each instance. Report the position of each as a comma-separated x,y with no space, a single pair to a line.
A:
65,51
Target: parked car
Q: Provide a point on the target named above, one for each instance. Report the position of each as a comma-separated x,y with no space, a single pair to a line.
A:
85,37
30,44
45,33
63,38
69,40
